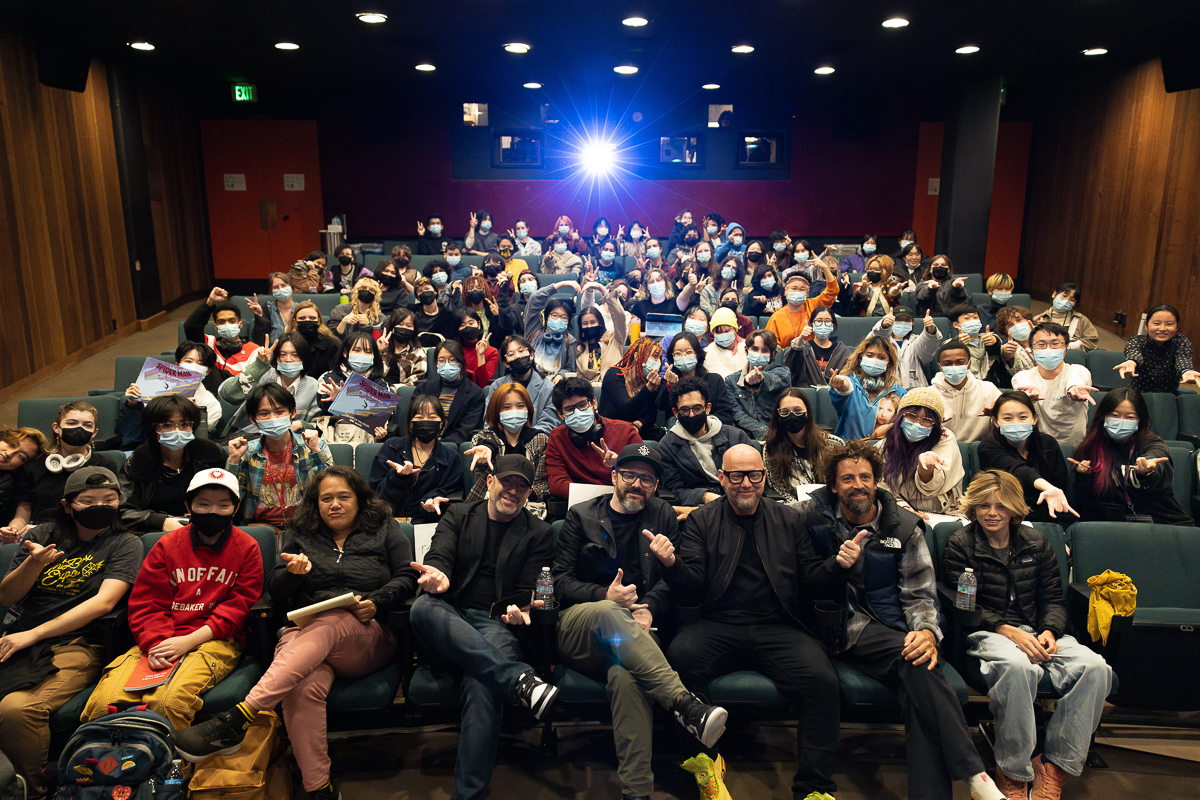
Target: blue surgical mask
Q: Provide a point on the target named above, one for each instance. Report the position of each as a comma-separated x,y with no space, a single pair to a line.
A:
724,339
528,288
289,369
685,363
560,247
868,248
563,230
758,359
823,329
556,326
653,252
712,230
1001,297
602,231
873,366
522,235
767,284
175,440
607,256
901,329
801,256
230,331
282,293
913,431
581,419
1062,306
359,362
703,257
274,428
514,419
486,225
651,367
439,278
658,291
454,261
727,272
779,247
436,230
1020,331
956,374
1016,432
1048,359
1120,429
696,327
972,327
795,298
449,371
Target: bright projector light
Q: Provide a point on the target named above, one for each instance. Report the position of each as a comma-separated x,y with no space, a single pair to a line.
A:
597,157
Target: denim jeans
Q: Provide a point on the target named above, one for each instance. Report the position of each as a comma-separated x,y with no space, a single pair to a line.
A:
490,657
1080,676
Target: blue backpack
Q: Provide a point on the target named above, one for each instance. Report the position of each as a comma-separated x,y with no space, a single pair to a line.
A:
121,756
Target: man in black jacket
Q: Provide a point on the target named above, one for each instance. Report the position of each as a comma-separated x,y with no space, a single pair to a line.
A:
695,445
482,553
608,568
744,560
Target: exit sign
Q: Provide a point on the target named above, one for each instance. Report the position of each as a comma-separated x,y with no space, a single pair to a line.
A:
244,93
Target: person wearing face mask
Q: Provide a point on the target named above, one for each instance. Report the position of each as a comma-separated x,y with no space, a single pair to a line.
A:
438,270
279,308
999,287
559,258
734,245
461,399
513,261
196,357
1016,446
812,362
683,253
362,313
635,245
657,296
395,288
695,322
454,266
875,294
765,296
478,296
1014,324
916,350
343,277
629,391
281,362
603,330
922,465
511,414
965,397
419,473
682,223
480,238
233,345
432,318
794,446
693,447
603,232
1122,469
71,570
803,259
18,447
753,391
40,484
326,348
1160,359
307,275
790,321
547,323
870,374
911,263
565,231
1083,334
190,605
939,291
906,238
1062,391
652,258
517,353
155,478
526,246
713,229
404,360
605,264
779,247
431,239
686,358
482,358
984,345
721,277
514,296
726,355
584,448
857,261
360,354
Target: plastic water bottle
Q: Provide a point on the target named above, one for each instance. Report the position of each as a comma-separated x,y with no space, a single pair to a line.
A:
968,585
545,589
174,780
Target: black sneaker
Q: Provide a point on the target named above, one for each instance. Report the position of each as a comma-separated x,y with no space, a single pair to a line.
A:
706,723
219,736
326,794
987,729
534,693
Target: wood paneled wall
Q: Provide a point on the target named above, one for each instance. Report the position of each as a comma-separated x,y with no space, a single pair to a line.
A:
62,233
1114,199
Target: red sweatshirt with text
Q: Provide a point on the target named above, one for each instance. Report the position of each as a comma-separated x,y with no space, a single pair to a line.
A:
181,588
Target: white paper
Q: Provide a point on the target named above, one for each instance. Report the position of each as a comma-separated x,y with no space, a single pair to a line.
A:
804,491
423,538
293,182
935,186
235,182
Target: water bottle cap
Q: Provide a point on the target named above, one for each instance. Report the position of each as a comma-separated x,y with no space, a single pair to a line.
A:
968,569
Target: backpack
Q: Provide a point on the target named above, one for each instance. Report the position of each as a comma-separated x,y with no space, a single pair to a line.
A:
120,756
258,771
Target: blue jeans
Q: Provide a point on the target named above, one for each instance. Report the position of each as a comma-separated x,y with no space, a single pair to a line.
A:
490,657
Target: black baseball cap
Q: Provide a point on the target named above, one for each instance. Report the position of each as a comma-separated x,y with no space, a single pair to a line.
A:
901,311
641,452
514,464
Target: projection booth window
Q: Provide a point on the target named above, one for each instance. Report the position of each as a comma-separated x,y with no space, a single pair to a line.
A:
681,150
475,115
517,148
720,116
759,150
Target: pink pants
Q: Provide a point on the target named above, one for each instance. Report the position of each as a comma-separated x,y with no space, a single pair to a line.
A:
306,661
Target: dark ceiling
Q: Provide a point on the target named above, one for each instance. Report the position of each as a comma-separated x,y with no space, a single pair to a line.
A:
206,44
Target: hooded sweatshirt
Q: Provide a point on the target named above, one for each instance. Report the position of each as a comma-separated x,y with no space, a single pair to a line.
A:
728,248
965,406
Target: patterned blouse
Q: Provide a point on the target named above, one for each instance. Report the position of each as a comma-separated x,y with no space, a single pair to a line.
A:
531,444
1159,366
803,472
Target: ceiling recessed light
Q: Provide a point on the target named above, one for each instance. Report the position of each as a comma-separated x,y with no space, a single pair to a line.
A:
517,47
532,85
141,45
824,70
625,69
287,46
426,67
711,86
635,22
743,48
895,22
372,17
1095,51
967,50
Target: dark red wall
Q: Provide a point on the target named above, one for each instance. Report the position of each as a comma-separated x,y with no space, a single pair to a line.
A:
836,188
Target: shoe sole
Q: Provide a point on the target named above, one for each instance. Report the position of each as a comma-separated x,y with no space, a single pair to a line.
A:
193,759
714,726
547,700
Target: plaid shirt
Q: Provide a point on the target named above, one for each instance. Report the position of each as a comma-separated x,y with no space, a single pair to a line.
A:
253,466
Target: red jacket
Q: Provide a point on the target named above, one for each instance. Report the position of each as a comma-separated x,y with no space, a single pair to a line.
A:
567,464
180,589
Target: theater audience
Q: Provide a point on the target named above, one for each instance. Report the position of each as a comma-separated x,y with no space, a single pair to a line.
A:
1161,358
984,346
765,294
234,344
360,354
559,258
938,290
726,354
279,308
527,247
694,445
418,474
999,287
1082,333
686,359
1015,446
875,293
480,238
584,448
1014,324
396,280
344,278
915,350
510,418
405,362
283,362
630,389
814,361
790,321
362,313
480,356
794,446
197,357
922,466
431,241
856,261
432,318
517,353
547,319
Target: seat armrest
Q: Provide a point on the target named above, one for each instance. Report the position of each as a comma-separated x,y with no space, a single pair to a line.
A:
114,632
398,621
263,625
960,620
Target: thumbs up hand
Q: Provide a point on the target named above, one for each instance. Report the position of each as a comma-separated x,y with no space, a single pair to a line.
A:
624,596
850,550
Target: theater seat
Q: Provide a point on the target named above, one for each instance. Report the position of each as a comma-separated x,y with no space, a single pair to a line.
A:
746,687
126,370
41,412
324,302
343,454
374,692
852,330
574,687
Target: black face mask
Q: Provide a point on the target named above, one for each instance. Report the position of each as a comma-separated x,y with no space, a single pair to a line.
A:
401,263
794,423
468,335
95,518
308,328
474,297
519,366
403,335
754,256
940,273
365,296
426,430
345,260
426,298
693,425
874,277
77,436
388,280
690,241
210,525
731,305
591,334
491,270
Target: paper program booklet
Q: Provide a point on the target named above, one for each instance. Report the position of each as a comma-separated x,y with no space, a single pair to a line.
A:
303,616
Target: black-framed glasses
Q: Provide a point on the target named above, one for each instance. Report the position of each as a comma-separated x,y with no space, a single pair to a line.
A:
577,407
690,411
738,477
639,478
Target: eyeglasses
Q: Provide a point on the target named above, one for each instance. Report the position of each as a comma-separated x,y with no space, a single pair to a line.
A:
784,413
923,421
638,478
738,477
168,427
690,411
577,407
110,503
1057,345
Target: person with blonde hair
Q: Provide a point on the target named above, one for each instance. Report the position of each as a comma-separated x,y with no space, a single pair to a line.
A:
326,348
18,446
871,373
1021,638
875,294
1000,287
362,313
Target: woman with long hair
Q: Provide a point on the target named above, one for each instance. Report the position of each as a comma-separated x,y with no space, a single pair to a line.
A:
600,347
729,274
922,465
18,446
1122,468
326,348
794,445
482,358
876,293
510,417
765,294
363,312
418,473
871,373
1159,359
1017,447
629,391
404,360
360,354
939,291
